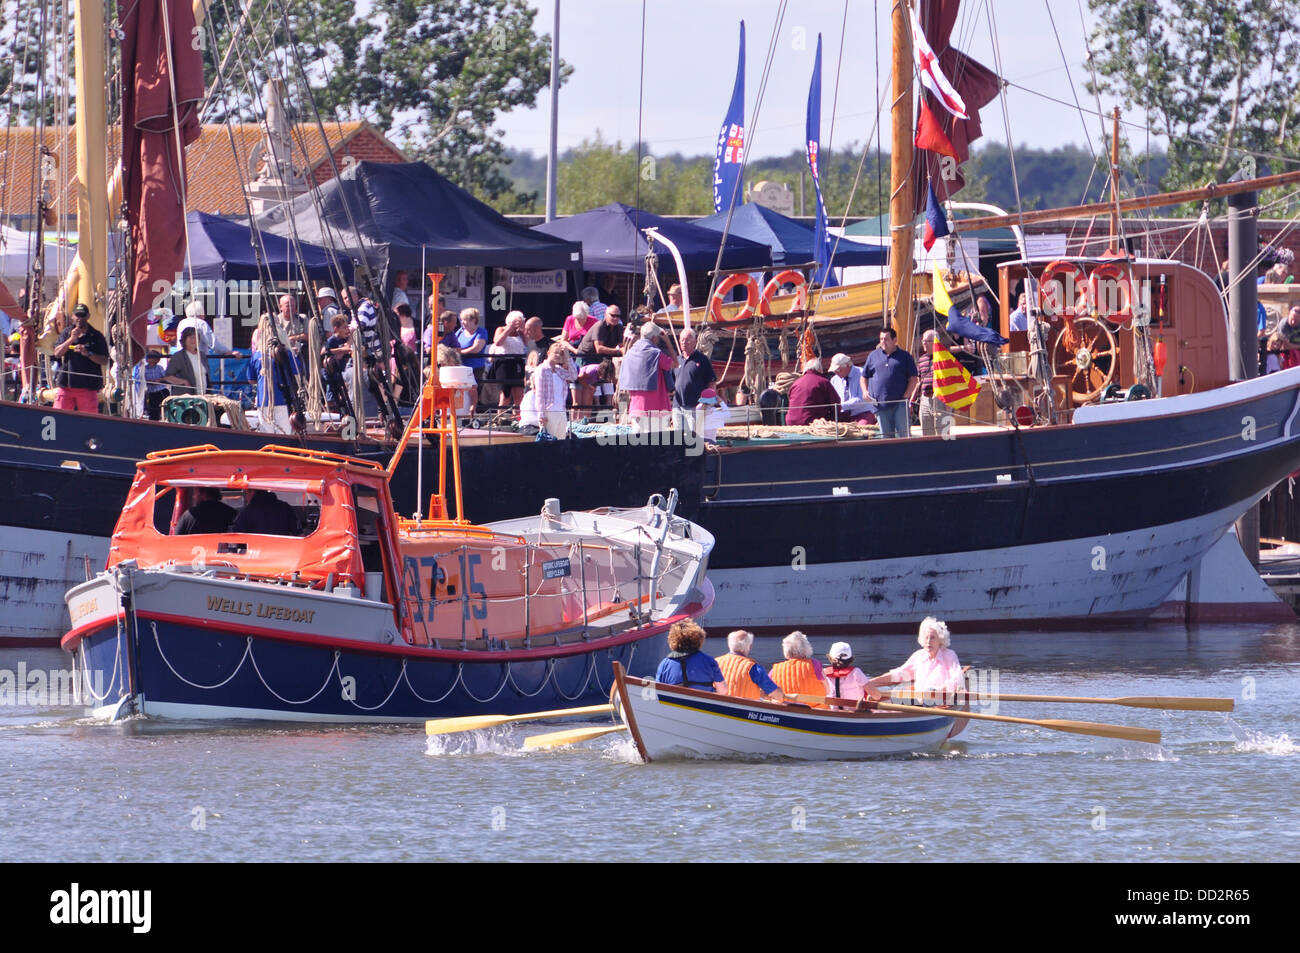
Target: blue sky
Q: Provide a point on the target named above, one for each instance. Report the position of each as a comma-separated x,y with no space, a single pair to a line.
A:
691,61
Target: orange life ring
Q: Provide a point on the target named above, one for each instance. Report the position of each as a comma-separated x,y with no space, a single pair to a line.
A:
1054,273
773,287
751,298
1123,280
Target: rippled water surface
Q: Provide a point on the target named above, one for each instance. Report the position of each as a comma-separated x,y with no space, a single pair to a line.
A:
1221,787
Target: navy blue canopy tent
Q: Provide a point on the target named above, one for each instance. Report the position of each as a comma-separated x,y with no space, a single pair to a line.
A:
406,216
223,250
791,242
612,240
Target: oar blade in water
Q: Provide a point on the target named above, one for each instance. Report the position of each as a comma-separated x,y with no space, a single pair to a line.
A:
573,736
446,726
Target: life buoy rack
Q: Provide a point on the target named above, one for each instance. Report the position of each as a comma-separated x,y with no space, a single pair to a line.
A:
756,301
1122,279
1092,291
752,299
773,288
1055,273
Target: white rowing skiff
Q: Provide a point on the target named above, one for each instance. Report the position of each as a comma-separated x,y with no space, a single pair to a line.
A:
668,721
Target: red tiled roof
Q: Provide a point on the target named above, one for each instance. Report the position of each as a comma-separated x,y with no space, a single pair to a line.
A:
217,174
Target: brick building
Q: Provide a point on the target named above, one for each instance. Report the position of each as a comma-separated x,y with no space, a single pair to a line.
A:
217,174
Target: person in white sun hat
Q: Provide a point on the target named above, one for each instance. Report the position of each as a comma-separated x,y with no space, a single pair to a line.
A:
844,679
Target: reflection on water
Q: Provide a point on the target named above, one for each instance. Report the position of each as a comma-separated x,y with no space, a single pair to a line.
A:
1219,787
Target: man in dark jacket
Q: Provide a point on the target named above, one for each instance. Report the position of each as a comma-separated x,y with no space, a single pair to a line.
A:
266,514
208,515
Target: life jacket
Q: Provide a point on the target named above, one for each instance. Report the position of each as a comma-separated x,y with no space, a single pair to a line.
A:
797,676
681,659
835,683
736,669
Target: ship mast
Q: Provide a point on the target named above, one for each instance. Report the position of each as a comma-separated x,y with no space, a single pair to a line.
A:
97,191
92,161
901,208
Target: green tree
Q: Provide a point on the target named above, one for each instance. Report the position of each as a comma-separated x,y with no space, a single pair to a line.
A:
594,174
1220,79
839,171
434,73
597,173
439,73
31,83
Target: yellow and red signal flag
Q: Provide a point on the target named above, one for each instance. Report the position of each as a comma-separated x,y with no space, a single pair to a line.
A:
952,382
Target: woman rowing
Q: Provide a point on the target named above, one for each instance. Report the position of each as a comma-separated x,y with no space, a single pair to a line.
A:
932,668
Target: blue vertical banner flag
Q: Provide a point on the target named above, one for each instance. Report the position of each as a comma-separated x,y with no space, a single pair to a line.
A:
821,240
731,140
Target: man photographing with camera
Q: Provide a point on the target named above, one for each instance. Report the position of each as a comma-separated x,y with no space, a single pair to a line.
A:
82,353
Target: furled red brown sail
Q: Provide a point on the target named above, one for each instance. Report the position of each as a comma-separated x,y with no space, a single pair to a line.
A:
975,83
154,169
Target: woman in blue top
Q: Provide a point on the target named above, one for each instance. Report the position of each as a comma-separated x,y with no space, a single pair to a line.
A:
686,665
472,342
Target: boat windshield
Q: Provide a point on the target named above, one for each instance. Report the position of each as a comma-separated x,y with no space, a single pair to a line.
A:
264,510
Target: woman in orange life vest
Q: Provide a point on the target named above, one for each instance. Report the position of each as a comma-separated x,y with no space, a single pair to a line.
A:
746,678
798,674
686,665
844,679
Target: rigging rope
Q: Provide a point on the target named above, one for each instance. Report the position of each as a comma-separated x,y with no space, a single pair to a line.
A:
749,142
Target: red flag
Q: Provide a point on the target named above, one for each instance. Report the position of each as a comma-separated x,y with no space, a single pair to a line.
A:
929,134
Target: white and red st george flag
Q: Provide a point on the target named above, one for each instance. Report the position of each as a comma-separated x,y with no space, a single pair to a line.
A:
927,65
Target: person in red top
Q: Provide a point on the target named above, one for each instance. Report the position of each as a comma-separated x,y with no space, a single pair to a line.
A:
643,375
812,397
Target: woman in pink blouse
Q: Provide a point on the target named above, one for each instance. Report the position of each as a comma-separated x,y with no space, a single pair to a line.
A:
577,324
933,668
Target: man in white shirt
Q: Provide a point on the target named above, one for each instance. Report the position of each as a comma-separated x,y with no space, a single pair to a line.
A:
207,341
328,303
1020,316
400,281
847,381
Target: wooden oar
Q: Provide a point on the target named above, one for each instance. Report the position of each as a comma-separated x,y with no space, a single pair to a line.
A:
573,736
446,726
1121,732
1166,702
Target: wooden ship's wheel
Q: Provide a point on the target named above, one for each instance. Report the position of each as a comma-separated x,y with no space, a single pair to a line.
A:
1086,351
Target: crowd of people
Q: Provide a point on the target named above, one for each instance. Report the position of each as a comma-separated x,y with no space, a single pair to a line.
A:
879,392
599,361
932,668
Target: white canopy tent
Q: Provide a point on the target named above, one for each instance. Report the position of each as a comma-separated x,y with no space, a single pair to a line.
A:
17,249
